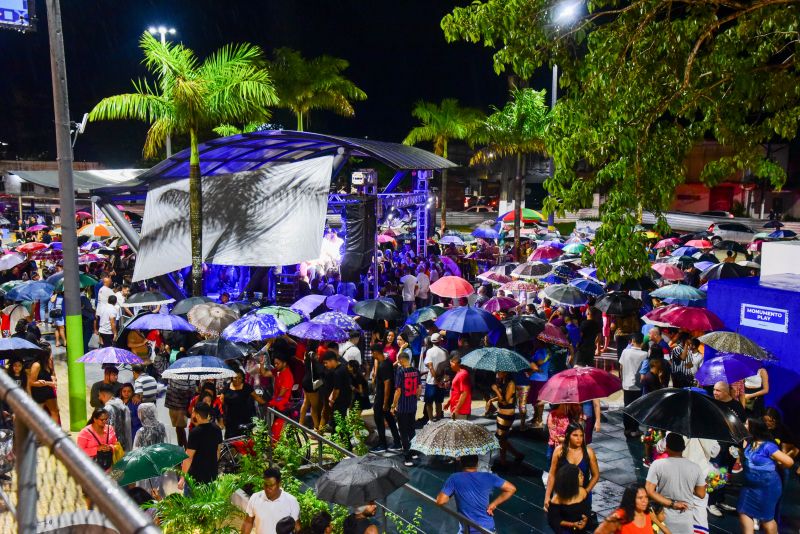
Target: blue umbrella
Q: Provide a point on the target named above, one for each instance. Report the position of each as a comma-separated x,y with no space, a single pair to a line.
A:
345,322
17,346
254,327
340,303
589,287
486,232
588,272
703,265
31,291
160,321
780,234
467,319
495,359
198,368
679,294
319,332
564,272
308,304
728,368
553,279
684,251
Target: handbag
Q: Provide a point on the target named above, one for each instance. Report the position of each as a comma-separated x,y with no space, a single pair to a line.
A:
104,459
56,313
117,452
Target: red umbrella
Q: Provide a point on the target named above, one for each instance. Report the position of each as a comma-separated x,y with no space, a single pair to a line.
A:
655,317
452,287
693,319
545,253
668,271
496,304
579,384
495,277
669,242
27,248
83,215
553,335
699,243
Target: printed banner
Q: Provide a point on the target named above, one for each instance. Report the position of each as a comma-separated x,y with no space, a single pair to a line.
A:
764,317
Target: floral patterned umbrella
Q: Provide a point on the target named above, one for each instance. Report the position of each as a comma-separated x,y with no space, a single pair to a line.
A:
343,321
454,438
211,318
553,335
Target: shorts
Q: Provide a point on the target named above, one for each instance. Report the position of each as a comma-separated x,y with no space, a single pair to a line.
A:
461,416
434,393
178,417
533,392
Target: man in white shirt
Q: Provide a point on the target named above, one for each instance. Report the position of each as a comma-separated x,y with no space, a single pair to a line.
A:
423,286
434,394
410,288
629,362
267,507
104,292
350,351
122,295
106,323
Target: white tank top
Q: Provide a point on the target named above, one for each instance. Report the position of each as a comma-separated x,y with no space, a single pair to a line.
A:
753,382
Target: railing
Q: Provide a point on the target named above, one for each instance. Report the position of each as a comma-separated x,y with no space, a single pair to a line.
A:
52,475
467,524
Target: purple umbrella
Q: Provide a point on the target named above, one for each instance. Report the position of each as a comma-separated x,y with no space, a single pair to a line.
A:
319,332
340,303
160,321
450,264
308,304
727,368
110,355
345,322
57,245
254,327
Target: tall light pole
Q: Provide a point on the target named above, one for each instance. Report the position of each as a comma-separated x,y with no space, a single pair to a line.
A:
163,31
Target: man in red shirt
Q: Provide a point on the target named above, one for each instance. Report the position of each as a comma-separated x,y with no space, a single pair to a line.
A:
460,403
282,388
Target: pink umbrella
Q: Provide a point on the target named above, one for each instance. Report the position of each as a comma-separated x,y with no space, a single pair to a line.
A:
519,285
37,228
383,238
755,245
451,265
699,243
668,271
90,258
579,384
693,319
553,335
83,215
389,232
452,287
494,277
666,243
545,253
496,304
655,317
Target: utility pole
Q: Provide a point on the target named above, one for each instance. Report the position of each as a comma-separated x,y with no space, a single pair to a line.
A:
72,296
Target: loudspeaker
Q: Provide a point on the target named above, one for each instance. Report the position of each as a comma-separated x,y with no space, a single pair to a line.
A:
361,224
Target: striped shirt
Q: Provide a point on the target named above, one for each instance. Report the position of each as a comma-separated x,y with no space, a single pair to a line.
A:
679,367
146,386
407,381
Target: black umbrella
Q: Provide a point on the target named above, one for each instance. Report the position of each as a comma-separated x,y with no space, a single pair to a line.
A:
617,303
240,307
522,328
705,256
377,309
219,347
697,235
505,268
768,224
183,307
147,298
644,283
689,413
730,245
359,480
725,270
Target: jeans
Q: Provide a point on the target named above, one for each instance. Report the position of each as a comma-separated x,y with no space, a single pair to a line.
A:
408,307
628,397
405,420
380,417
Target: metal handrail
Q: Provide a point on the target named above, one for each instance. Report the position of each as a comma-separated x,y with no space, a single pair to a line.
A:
31,422
467,524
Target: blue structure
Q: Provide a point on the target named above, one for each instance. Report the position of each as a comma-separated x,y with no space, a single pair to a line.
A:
767,310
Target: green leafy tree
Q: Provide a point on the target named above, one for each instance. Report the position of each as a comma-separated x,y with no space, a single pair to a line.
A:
308,84
440,124
517,130
188,97
643,82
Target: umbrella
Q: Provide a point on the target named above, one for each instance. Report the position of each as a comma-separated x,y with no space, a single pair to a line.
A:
319,332
29,248
15,312
382,239
553,335
728,368
579,384
733,343
699,243
574,248
684,251
703,265
450,265
725,270
85,280
452,240
308,304
147,298
496,304
495,359
505,268
782,234
287,316
467,319
544,253
37,228
83,215
340,303
667,271
5,287
146,462
730,245
653,317
454,438
342,320
773,224
749,264
254,327
452,287
521,328
97,230
679,294
553,243
617,303
519,285
666,243
219,347
359,480
110,355
89,258
423,315
688,413
588,272
198,368
643,283
527,216
486,232
564,270
17,346
11,260
377,310
565,295
211,318
32,291
532,270
588,287
183,307
494,277
160,321
693,319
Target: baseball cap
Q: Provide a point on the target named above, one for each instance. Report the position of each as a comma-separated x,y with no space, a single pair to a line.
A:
436,337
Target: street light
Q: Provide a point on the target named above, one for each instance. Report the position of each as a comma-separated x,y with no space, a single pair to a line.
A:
163,31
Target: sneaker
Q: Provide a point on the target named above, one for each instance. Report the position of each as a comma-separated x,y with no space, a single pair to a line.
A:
378,450
737,467
713,510
756,525
396,448
645,462
408,463
726,507
414,456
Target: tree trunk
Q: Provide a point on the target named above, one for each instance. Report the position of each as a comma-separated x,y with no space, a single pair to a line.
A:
443,193
517,207
196,216
299,121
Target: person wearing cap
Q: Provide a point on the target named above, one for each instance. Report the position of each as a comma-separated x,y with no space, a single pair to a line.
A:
360,522
434,357
145,387
110,376
674,482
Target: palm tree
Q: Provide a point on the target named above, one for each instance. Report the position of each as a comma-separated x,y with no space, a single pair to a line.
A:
189,96
440,124
518,129
306,84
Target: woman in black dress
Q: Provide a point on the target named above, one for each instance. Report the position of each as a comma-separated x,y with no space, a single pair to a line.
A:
569,509
238,407
42,383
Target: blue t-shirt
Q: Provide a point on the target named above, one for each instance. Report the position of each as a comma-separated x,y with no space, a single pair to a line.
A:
541,358
473,491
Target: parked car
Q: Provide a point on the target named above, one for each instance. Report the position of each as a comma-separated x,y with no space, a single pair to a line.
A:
480,209
484,201
717,213
730,231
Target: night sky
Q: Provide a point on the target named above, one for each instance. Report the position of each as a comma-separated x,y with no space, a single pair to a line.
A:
396,49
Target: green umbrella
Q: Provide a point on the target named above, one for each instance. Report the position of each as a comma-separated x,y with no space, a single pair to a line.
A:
11,284
85,280
422,315
147,462
287,316
575,248
495,359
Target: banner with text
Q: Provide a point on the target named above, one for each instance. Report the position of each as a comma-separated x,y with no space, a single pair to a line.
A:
764,317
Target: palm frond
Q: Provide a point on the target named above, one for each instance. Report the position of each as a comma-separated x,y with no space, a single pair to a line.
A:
227,130
143,106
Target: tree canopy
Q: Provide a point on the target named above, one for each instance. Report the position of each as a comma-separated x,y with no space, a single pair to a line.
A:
644,81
